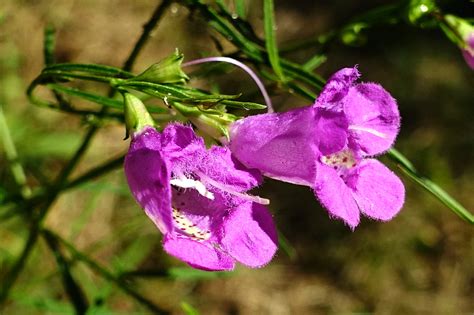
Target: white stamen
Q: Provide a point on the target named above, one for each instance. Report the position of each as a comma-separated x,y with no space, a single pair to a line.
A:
184,182
369,130
230,190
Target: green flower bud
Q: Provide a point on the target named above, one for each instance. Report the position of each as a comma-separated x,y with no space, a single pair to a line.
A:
167,70
136,114
212,122
461,27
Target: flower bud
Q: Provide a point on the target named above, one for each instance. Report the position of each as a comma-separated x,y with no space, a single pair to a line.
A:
136,114
167,70
461,33
212,122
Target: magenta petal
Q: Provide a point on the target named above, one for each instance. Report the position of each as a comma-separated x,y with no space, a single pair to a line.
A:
281,145
249,235
148,176
337,88
468,52
181,143
377,190
222,167
330,130
469,57
335,196
201,255
374,120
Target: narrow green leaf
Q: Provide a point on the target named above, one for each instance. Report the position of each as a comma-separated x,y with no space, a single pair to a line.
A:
187,273
243,105
286,246
12,156
101,100
240,8
314,62
188,309
49,44
270,38
430,186
71,286
89,68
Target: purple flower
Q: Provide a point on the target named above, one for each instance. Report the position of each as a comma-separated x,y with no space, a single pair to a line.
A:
197,198
468,50
327,147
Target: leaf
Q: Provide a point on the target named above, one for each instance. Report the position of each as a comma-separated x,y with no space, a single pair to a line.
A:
243,105
240,8
134,254
49,44
89,68
407,167
270,39
98,99
71,286
187,273
188,309
286,246
314,62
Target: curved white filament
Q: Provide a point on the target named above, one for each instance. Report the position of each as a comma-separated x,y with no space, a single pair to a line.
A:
242,66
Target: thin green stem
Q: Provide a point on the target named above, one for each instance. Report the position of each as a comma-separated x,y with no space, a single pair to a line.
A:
75,293
95,172
104,273
17,267
12,157
147,29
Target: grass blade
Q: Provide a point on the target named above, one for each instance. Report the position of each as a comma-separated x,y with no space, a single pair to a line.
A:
270,38
74,291
405,165
101,100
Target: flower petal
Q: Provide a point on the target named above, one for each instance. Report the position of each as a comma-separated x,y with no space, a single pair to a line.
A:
222,167
330,130
148,176
377,190
468,51
199,255
181,143
336,89
203,212
335,196
374,120
249,235
280,145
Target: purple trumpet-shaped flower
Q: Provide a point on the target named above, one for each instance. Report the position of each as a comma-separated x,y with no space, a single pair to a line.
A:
327,147
196,197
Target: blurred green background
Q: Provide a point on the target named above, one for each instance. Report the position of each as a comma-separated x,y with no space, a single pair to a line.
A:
422,262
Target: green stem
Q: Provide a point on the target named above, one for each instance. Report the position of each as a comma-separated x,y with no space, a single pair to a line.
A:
72,288
147,29
104,273
17,267
12,157
95,172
